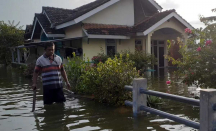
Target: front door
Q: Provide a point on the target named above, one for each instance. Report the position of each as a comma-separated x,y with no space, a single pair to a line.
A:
158,49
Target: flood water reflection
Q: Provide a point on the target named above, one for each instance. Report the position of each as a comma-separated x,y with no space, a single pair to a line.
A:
79,114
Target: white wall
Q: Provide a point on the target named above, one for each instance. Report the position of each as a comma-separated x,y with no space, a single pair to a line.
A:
73,31
126,45
121,13
92,48
174,24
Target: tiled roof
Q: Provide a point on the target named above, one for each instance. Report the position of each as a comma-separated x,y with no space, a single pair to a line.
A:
28,31
147,23
46,25
101,29
58,15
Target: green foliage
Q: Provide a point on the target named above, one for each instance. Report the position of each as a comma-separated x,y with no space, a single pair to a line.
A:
154,101
29,70
105,81
141,60
75,69
198,63
10,35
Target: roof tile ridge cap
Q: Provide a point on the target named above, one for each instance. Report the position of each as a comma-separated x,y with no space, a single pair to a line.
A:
55,8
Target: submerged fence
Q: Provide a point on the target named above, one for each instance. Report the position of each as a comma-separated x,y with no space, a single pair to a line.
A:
207,104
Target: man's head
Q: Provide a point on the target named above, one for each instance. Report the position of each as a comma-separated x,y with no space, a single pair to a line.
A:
49,48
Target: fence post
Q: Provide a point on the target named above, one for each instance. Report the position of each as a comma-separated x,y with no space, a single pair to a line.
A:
208,110
139,99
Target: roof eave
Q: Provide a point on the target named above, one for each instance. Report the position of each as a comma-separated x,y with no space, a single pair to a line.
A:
173,14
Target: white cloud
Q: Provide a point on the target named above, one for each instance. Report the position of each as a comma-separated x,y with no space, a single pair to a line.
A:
169,4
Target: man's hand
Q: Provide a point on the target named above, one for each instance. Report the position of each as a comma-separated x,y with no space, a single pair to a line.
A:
68,85
34,86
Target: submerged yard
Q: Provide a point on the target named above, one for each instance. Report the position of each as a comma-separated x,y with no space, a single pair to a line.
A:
79,114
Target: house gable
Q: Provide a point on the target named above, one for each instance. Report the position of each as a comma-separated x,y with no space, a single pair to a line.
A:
121,13
85,11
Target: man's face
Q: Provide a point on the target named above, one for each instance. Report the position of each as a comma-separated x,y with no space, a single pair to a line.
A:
50,50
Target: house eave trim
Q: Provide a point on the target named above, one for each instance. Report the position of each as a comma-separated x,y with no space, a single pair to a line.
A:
87,15
173,14
108,37
55,35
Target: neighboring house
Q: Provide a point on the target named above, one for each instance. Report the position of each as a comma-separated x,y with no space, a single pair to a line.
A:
113,25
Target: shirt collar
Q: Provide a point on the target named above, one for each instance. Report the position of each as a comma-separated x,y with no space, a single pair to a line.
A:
47,56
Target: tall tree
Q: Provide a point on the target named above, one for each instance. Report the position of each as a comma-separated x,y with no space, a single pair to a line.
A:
10,35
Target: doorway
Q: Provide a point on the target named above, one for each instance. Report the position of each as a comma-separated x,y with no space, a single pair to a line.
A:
158,49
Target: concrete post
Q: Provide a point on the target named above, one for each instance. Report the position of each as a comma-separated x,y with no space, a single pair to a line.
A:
208,110
148,43
18,55
139,99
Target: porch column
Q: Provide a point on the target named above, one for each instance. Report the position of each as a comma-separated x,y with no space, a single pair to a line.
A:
12,54
18,55
148,43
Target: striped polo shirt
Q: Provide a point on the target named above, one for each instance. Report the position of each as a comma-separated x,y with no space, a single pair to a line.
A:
51,72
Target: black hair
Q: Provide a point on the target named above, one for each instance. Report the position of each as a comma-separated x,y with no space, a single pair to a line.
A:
48,44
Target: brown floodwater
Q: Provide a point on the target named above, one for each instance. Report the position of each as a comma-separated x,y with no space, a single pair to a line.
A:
80,114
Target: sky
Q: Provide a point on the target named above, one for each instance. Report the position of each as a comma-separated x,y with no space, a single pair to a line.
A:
23,10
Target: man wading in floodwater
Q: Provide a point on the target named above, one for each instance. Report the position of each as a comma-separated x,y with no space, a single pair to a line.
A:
51,67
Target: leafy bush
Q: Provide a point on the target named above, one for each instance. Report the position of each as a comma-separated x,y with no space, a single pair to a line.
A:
106,81
75,68
198,62
10,35
101,57
29,70
142,61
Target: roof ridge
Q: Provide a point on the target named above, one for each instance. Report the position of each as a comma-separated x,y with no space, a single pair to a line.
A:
171,10
43,7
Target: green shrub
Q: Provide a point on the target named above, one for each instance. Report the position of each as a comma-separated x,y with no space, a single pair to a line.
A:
106,81
75,68
29,70
142,61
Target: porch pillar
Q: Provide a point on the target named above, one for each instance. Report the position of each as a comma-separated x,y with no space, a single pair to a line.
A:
18,55
148,43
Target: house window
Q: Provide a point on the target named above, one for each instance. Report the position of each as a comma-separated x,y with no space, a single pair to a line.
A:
111,47
138,45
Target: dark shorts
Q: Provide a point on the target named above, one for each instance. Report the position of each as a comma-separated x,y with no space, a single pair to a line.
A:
53,95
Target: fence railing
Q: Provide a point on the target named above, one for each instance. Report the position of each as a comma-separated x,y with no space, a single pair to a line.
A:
207,104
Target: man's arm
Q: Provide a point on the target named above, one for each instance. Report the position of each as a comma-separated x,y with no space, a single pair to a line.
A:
37,70
64,75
